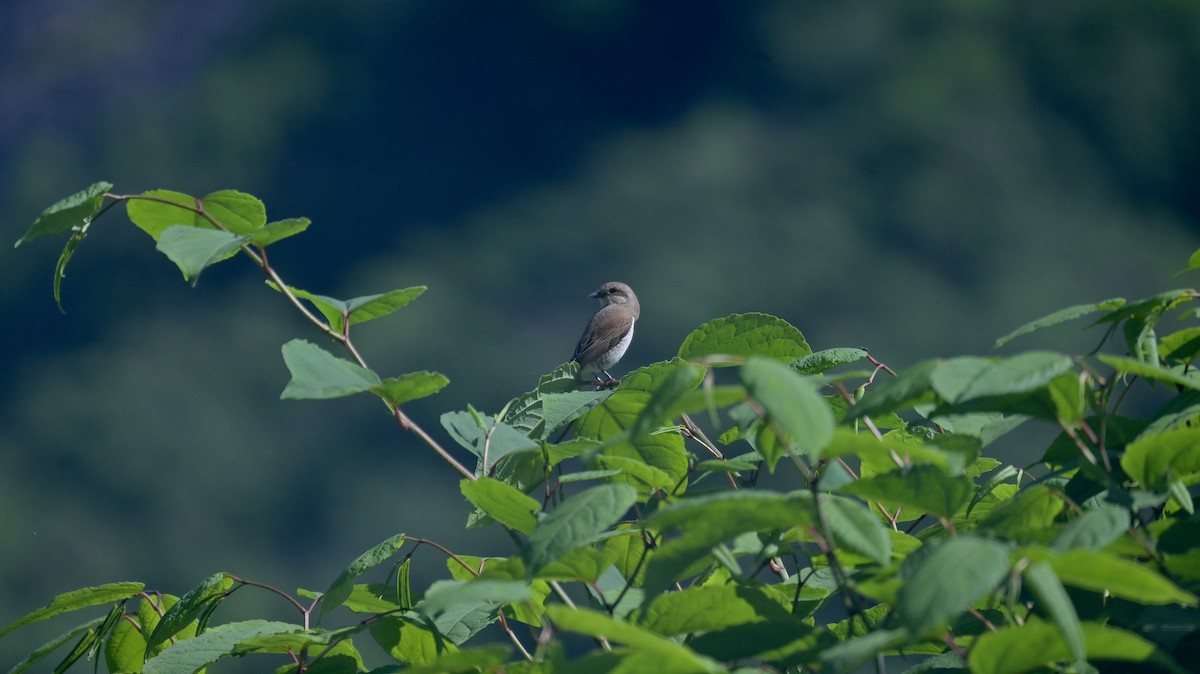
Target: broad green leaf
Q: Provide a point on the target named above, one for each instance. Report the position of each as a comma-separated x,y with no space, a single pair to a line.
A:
193,249
54,644
189,607
611,420
485,659
854,527
1182,346
818,362
635,472
582,564
669,656
445,595
708,608
294,641
943,582
711,519
793,406
68,215
483,437
502,503
745,335
953,375
278,231
333,309
1038,644
237,212
664,400
411,386
849,654
576,522
156,210
1061,316
782,640
369,307
1103,571
340,589
1155,460
525,412
1028,514
1094,529
341,658
881,452
910,386
559,409
318,374
1017,374
189,655
407,641
75,600
1156,372
1143,308
919,489
1052,596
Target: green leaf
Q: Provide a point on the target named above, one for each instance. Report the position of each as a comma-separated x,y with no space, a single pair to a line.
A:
875,452
362,309
946,580
745,335
793,406
1102,571
190,606
708,608
75,600
560,409
54,644
278,230
909,387
238,212
156,210
333,309
1037,644
1061,316
664,400
669,657
1154,461
485,659
854,527
189,655
411,386
1040,579
818,362
481,435
446,595
70,214
318,374
193,249
577,521
919,489
1028,514
714,518
60,268
502,503
1094,529
849,654
340,589
1181,346
1149,371
1017,374
408,642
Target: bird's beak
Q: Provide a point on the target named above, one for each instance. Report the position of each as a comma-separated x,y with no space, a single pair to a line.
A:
597,295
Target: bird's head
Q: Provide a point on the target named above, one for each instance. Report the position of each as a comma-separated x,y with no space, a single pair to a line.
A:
615,292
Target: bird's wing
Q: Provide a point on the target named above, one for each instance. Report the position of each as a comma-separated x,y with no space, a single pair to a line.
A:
598,340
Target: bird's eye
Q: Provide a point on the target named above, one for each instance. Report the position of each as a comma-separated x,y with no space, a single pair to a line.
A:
612,291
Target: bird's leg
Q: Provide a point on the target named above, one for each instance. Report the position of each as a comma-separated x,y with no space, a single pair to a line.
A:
611,382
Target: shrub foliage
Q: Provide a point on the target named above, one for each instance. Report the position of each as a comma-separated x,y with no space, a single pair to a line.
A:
886,530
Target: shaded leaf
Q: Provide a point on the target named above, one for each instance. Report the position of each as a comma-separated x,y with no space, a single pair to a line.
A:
189,655
1149,371
75,600
854,527
502,503
943,582
792,404
68,214
411,386
193,249
1040,579
1012,650
577,521
189,607
818,362
668,655
1061,316
1094,529
910,386
318,374
54,644
340,589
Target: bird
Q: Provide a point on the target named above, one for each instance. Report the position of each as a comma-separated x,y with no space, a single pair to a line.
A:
608,334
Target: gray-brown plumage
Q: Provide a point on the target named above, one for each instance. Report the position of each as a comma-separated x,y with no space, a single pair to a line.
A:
609,333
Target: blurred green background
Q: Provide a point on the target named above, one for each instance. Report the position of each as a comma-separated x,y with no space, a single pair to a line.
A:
917,178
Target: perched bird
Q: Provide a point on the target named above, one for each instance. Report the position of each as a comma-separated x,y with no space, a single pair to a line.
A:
608,334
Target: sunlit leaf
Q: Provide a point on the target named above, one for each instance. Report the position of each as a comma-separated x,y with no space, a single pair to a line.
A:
340,589
1037,644
411,386
819,361
189,655
75,600
919,489
278,231
502,503
237,212
1061,316
1155,460
68,215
